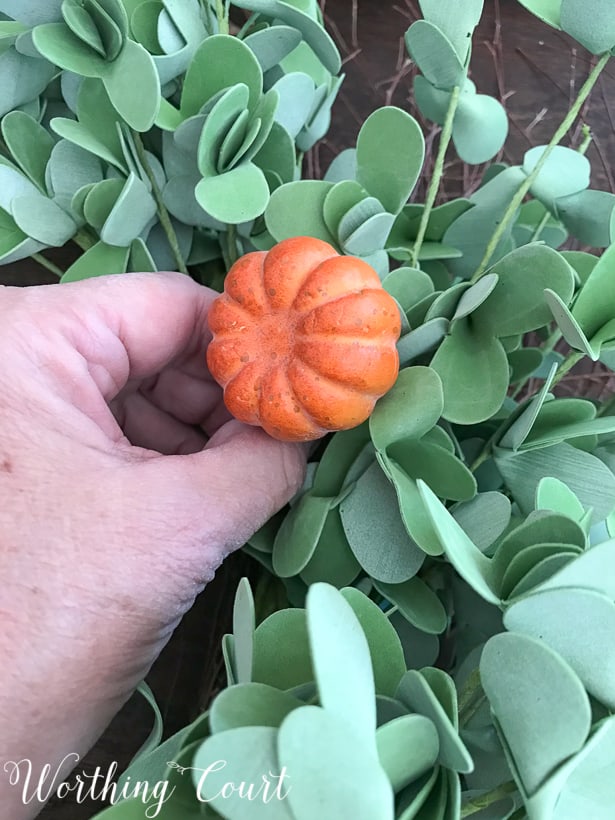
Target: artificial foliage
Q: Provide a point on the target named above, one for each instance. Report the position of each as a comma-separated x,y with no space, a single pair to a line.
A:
445,645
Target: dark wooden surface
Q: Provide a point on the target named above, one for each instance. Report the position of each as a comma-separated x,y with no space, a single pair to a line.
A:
535,71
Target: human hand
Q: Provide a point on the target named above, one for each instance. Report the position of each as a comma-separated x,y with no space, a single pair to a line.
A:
104,541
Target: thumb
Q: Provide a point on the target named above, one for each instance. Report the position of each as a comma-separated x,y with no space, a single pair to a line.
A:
227,491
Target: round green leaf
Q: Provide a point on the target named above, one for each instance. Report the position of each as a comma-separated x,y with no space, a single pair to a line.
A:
41,219
327,759
390,153
270,45
539,703
463,554
417,694
517,305
296,209
332,561
418,603
250,704
591,24
299,534
282,635
409,410
480,127
250,756
434,54
385,649
220,62
235,196
345,684
138,101
375,531
407,747
579,625
99,260
564,173
483,518
474,371
413,513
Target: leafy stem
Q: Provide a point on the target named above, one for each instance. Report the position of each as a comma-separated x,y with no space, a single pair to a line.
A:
222,15
163,214
231,237
434,184
48,264
482,801
517,200
574,357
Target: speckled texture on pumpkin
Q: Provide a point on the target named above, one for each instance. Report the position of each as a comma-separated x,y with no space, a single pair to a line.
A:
304,340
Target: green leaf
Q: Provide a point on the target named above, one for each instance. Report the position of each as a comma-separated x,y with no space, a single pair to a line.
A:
473,297
345,687
299,535
540,705
130,214
332,561
23,79
591,570
227,110
99,260
41,219
140,259
564,173
480,127
30,145
578,624
553,494
328,759
407,748
435,465
235,196
464,555
587,215
591,25
570,328
69,169
474,371
416,691
516,304
136,102
250,704
277,154
249,753
220,62
457,26
593,307
409,410
296,92
282,635
422,340
588,477
418,603
296,209
390,154
339,201
339,455
434,54
484,518
371,519
312,31
387,656
270,45
413,513
243,631
59,45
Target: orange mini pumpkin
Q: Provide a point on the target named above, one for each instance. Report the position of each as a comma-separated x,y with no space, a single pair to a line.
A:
303,340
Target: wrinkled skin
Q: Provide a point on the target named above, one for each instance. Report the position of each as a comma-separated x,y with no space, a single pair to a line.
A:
124,485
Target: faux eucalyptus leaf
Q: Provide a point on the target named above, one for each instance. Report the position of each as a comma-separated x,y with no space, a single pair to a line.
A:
390,153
